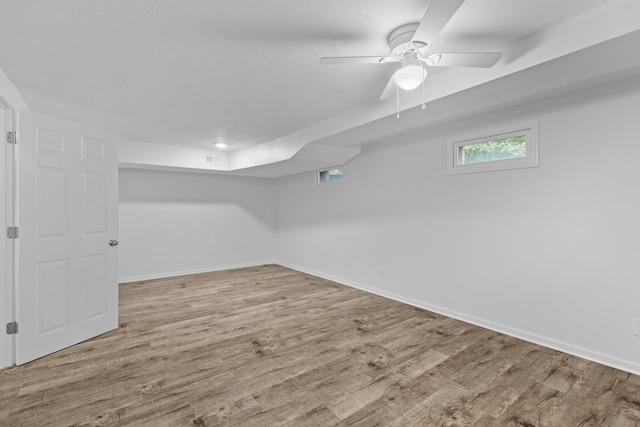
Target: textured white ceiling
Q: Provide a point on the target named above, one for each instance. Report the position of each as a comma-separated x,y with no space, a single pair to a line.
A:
196,72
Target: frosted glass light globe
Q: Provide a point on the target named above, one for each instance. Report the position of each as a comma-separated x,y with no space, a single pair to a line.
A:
409,76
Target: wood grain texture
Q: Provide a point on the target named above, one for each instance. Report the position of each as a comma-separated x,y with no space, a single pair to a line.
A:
269,346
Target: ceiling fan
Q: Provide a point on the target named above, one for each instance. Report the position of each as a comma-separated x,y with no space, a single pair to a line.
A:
409,45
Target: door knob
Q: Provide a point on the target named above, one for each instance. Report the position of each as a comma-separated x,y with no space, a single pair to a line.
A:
113,243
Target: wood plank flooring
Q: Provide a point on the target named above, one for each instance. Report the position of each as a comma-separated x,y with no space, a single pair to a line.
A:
269,346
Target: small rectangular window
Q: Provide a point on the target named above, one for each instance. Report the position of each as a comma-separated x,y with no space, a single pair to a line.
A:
330,175
507,150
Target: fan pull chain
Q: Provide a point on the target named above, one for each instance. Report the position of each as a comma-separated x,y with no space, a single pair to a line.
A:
397,102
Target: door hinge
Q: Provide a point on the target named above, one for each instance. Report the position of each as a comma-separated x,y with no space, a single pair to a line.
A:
12,232
11,137
12,328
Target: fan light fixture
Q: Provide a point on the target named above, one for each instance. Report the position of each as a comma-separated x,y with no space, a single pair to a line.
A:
412,73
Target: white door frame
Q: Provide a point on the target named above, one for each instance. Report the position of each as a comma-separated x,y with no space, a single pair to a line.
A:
6,252
10,101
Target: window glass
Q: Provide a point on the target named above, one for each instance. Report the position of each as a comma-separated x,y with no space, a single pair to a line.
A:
330,175
497,149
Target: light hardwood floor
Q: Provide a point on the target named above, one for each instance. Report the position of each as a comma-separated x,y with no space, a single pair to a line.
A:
269,346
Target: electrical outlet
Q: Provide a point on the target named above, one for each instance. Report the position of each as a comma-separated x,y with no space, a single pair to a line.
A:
636,326
212,252
381,272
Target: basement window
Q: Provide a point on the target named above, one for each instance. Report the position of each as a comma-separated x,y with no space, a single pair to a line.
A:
330,175
515,149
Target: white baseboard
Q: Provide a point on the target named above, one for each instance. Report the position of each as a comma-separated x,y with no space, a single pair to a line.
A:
166,274
593,356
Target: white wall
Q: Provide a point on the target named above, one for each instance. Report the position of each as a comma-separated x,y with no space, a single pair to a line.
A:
170,221
549,254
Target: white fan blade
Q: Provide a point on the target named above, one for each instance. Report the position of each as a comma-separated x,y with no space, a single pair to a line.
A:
389,90
337,60
435,18
476,59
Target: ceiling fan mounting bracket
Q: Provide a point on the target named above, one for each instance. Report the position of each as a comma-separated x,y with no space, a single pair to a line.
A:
400,42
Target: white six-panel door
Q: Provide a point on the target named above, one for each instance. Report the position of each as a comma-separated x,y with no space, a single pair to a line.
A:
67,289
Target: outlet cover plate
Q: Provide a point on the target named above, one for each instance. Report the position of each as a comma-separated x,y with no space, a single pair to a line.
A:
636,326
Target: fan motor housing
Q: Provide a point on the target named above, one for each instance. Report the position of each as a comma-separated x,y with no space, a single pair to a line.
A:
400,41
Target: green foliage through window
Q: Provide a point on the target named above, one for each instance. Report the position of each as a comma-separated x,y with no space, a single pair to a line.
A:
499,149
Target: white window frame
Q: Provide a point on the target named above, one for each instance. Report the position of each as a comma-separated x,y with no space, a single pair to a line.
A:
530,160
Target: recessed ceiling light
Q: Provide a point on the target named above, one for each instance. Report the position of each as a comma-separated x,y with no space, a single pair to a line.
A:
221,145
